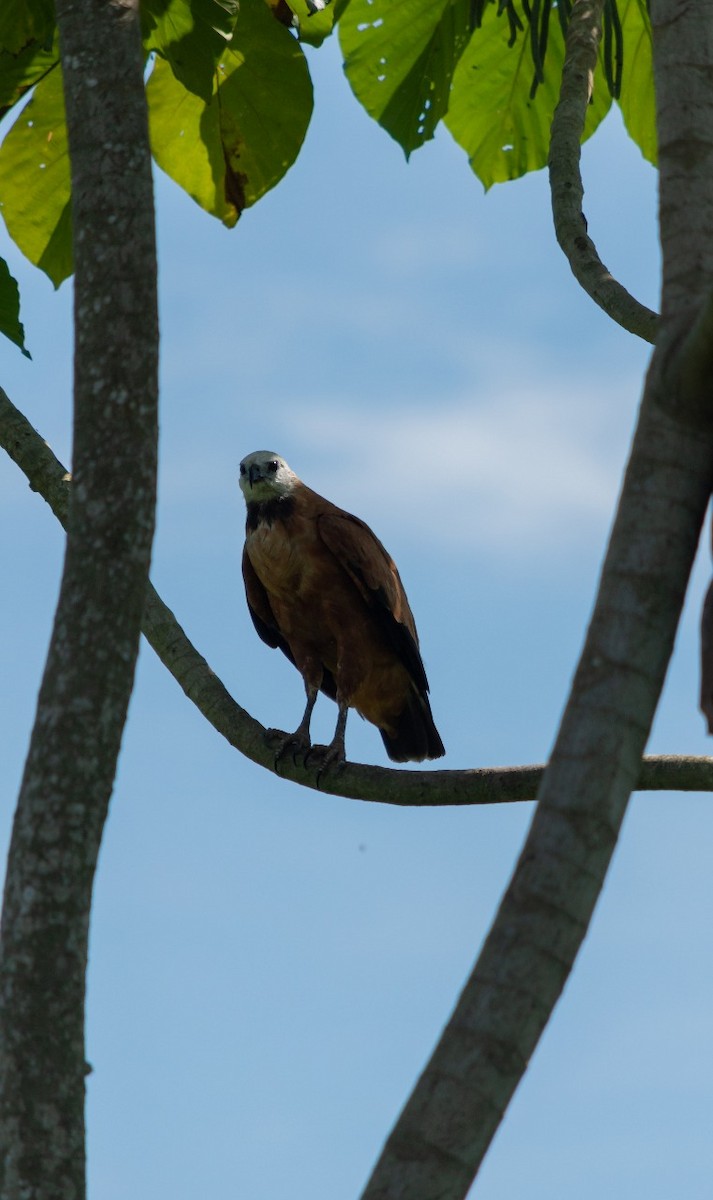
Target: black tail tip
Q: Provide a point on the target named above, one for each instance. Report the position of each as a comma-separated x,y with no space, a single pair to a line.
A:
416,737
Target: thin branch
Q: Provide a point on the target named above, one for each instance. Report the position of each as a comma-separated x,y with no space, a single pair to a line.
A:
582,45
89,674
357,781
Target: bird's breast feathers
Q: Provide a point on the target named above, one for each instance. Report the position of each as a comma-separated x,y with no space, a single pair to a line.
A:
285,549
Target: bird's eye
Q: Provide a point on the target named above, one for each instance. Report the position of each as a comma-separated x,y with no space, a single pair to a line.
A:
243,468
272,466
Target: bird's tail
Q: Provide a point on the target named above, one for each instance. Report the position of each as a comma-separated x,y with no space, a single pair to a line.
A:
413,736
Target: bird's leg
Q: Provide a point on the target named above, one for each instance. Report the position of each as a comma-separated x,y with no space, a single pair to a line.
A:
299,742
336,750
335,753
301,733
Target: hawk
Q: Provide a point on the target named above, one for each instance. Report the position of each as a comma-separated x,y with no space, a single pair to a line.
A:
321,587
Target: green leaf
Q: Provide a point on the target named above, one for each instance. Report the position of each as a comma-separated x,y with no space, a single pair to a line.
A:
25,21
186,142
10,323
35,181
20,72
227,153
218,15
637,93
191,35
492,116
313,24
400,56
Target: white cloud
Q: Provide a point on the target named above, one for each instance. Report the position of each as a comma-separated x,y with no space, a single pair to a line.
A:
526,472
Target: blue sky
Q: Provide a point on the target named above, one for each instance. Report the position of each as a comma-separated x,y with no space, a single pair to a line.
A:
270,968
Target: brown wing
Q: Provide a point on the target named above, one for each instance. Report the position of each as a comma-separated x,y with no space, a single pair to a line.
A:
374,574
259,606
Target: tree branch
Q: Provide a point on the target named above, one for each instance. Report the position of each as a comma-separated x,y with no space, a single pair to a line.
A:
385,785
90,667
583,37
444,1131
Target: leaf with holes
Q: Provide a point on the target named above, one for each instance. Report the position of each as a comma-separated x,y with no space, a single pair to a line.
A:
492,115
35,181
400,58
10,323
227,153
637,92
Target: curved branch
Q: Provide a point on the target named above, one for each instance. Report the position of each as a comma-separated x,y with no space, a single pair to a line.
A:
582,45
385,785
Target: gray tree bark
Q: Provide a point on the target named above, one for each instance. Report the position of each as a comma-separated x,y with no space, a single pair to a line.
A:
446,1127
90,668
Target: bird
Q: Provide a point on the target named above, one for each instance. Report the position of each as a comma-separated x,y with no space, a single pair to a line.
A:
321,587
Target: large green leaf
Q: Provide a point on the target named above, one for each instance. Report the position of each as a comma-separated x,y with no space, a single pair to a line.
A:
227,153
10,323
35,181
637,93
492,114
25,21
191,35
400,56
20,72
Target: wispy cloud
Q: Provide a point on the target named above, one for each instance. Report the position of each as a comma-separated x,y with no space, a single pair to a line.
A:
524,472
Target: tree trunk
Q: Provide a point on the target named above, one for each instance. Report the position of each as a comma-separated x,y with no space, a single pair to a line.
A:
90,667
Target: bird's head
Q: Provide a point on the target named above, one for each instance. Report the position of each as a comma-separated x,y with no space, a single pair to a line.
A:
265,476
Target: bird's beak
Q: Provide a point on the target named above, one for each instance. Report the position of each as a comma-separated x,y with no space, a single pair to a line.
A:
253,474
